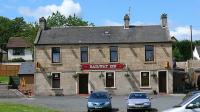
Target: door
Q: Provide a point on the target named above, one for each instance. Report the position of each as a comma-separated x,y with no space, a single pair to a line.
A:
83,83
162,75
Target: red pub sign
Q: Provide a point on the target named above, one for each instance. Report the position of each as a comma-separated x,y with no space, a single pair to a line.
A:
113,66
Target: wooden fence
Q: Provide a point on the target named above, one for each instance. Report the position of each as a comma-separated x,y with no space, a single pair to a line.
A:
9,70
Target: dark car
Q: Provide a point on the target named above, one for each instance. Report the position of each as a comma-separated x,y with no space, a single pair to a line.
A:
190,94
99,100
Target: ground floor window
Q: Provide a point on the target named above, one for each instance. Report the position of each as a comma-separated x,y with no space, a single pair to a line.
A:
110,80
145,79
55,80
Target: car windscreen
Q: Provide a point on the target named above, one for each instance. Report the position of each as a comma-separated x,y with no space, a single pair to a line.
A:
138,96
98,96
185,101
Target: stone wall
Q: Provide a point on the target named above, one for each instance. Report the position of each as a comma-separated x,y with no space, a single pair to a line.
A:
133,55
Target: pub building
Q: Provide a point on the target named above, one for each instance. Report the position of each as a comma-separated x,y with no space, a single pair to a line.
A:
119,59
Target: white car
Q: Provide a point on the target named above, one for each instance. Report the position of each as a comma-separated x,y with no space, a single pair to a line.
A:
191,104
138,100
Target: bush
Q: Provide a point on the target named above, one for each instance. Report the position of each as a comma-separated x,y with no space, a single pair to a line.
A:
18,60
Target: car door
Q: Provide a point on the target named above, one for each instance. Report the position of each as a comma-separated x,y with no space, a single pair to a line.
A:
193,106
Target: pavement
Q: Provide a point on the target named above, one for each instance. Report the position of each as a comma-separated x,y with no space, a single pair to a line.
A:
78,103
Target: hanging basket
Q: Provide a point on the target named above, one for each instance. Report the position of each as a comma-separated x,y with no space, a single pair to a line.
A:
101,76
75,76
127,75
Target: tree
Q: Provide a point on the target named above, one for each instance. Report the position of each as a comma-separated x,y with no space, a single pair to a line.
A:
177,55
57,19
16,28
5,27
76,21
182,49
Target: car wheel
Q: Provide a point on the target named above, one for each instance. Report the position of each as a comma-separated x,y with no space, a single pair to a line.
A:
109,110
89,111
128,110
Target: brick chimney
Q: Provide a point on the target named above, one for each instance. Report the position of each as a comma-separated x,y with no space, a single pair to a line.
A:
42,23
163,19
126,21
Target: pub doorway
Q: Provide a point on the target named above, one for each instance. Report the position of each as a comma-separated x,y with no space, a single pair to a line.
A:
83,83
162,77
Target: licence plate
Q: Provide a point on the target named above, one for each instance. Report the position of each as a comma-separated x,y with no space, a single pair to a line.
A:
98,107
138,105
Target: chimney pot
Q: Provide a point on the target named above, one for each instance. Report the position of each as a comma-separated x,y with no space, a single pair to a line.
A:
163,18
42,23
126,21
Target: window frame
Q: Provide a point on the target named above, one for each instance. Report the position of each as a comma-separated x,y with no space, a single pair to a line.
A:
110,51
20,54
81,54
149,86
53,81
114,81
145,53
52,56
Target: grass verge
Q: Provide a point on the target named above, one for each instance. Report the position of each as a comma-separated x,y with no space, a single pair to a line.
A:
4,80
12,107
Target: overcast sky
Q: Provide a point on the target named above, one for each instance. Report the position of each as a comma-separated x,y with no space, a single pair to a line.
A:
181,13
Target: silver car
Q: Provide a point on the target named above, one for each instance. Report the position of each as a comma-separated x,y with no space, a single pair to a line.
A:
138,100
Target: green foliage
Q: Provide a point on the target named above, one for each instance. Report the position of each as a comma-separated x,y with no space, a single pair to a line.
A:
11,107
177,55
57,19
18,60
16,28
4,80
182,49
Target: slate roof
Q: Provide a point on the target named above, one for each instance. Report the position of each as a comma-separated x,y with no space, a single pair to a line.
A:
104,34
27,68
198,49
14,42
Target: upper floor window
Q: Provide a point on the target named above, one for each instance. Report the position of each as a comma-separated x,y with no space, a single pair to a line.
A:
113,54
56,55
149,53
84,54
19,51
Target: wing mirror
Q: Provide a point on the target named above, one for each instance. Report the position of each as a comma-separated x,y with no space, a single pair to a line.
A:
191,106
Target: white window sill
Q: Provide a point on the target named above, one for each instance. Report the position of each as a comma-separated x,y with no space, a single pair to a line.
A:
146,87
56,63
110,87
56,88
149,62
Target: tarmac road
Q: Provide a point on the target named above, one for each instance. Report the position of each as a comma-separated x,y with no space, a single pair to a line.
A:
78,103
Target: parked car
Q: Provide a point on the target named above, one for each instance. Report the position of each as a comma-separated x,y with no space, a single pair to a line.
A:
191,104
190,94
99,100
138,100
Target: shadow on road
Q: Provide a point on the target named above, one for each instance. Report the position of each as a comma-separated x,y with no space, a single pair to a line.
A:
115,110
136,110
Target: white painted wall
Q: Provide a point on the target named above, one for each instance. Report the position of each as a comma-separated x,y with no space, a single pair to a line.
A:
195,54
28,55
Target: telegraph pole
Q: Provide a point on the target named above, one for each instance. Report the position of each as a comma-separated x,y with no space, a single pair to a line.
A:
191,41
